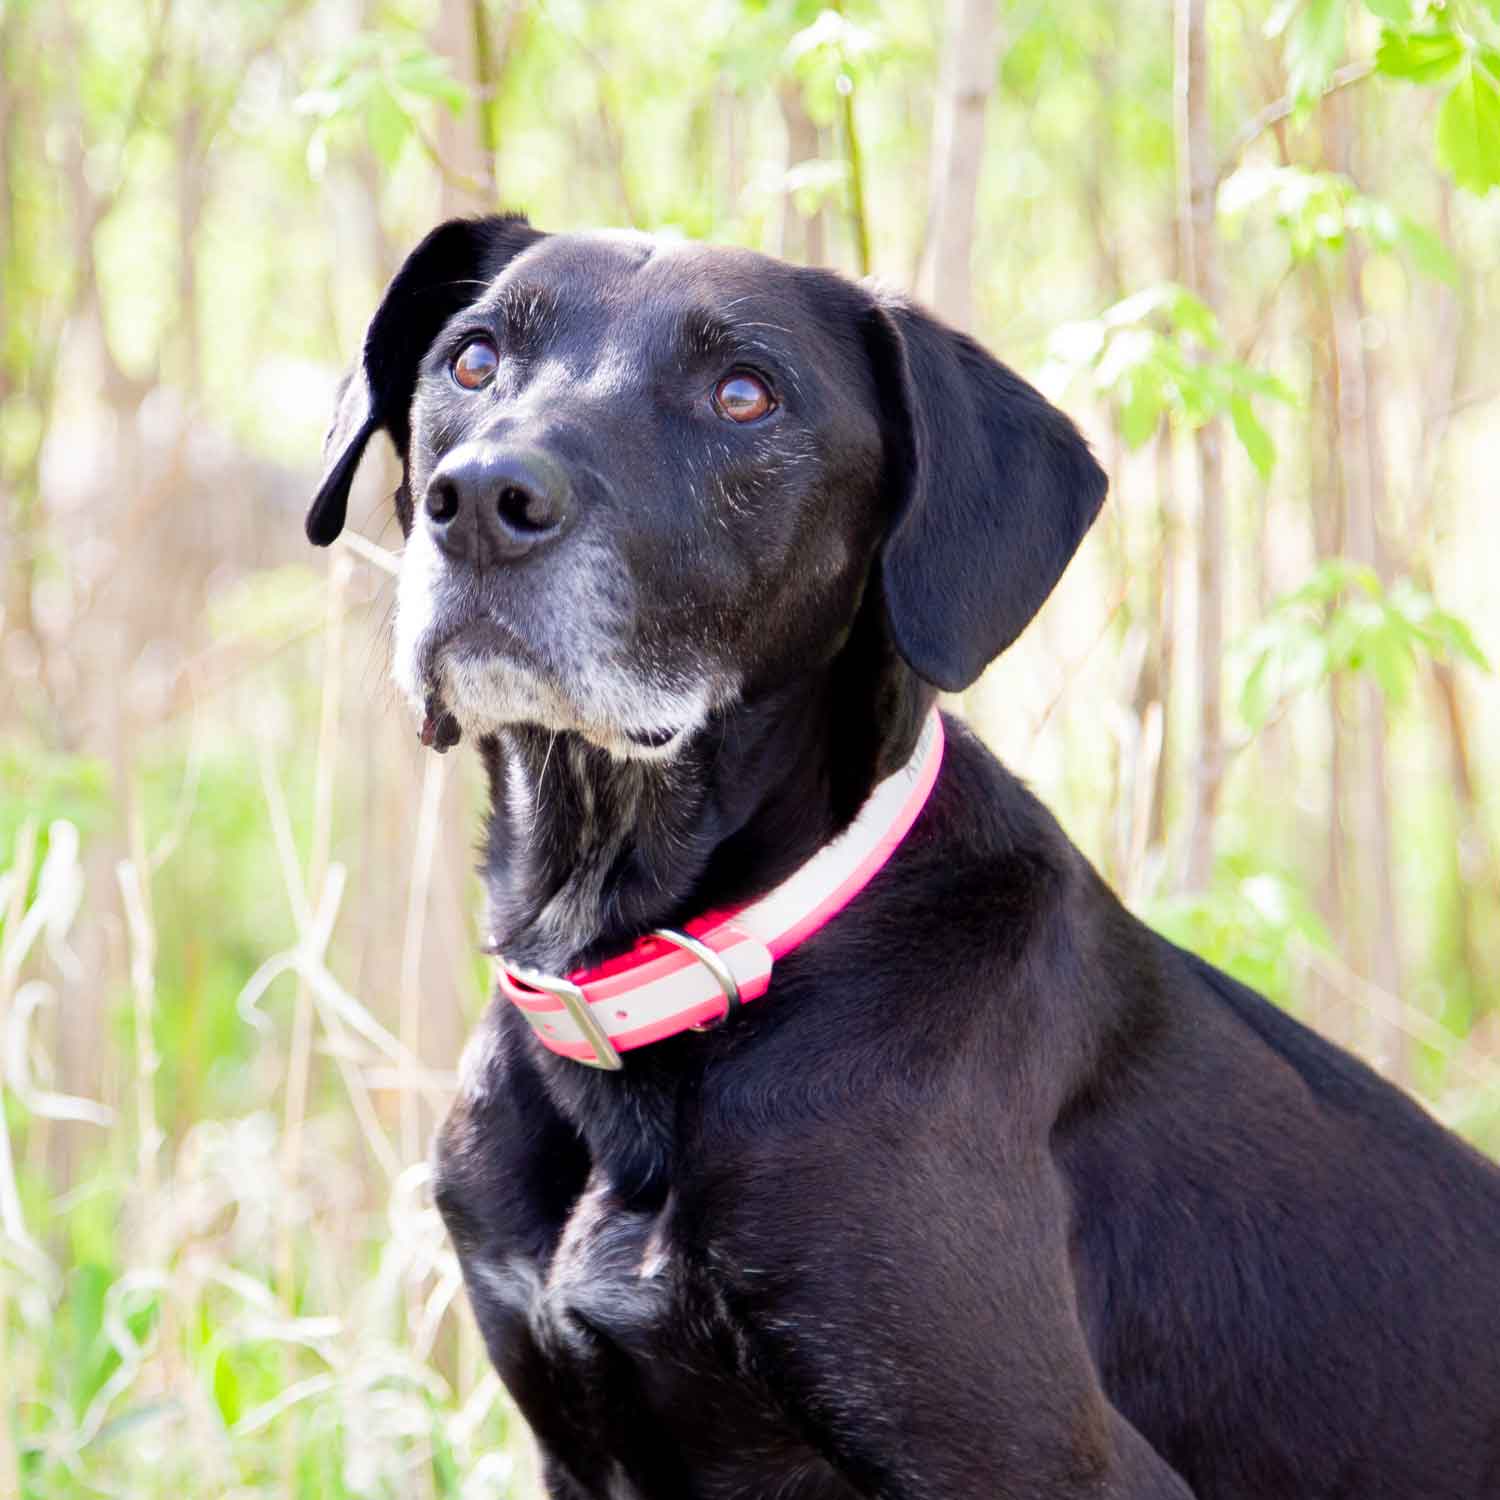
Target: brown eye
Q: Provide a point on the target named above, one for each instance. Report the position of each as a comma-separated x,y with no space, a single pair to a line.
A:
743,398
475,364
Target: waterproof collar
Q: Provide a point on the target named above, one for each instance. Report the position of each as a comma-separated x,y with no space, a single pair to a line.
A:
692,979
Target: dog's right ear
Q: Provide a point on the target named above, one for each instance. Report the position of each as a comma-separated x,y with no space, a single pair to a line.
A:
444,273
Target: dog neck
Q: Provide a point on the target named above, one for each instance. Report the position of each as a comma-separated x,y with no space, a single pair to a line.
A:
585,852
579,842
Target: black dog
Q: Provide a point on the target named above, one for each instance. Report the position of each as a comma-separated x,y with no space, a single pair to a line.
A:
995,1192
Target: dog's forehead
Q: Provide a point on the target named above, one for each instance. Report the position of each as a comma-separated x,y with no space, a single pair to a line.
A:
626,274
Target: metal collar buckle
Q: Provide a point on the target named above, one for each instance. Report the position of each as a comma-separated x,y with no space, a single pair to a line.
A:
577,1006
576,1003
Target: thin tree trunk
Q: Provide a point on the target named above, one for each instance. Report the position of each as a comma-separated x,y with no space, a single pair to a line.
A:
18,508
1360,463
612,137
1101,171
971,46
1156,682
467,184
803,237
1476,867
1476,864
1477,870
1331,1006
1157,678
1197,177
191,184
369,233
729,113
9,116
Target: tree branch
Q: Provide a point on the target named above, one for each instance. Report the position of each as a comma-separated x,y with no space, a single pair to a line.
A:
463,181
1277,111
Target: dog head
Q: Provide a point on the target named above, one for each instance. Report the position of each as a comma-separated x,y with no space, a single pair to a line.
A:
643,479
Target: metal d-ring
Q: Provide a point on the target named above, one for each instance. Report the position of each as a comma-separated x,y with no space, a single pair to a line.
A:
715,965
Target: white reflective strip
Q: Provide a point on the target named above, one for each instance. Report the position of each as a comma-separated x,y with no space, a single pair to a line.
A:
661,1000
781,909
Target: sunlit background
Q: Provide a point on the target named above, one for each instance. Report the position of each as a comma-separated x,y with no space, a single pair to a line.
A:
1255,251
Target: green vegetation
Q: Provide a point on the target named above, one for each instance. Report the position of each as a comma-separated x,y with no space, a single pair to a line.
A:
1254,246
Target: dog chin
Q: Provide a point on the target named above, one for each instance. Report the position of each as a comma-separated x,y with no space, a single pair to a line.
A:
490,693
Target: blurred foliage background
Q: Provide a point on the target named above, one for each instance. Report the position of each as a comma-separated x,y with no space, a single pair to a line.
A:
1254,247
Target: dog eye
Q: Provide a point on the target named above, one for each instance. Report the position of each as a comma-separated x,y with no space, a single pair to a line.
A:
743,398
475,364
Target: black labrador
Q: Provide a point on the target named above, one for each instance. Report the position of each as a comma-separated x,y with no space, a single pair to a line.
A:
996,1192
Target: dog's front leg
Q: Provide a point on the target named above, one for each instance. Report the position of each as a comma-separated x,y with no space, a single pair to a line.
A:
948,1435
923,1328
508,1170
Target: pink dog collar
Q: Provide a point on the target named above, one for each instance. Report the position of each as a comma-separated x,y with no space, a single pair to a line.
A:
673,981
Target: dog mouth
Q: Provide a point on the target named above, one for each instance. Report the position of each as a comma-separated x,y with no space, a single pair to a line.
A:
653,739
476,672
474,640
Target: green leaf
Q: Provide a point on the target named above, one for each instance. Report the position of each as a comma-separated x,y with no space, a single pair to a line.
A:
1140,408
427,76
1468,131
1428,253
1387,657
1253,437
1314,45
1193,315
1329,579
1316,210
815,182
1152,353
1397,12
386,123
1255,696
1255,923
1342,620
1246,380
834,33
1126,352
1455,637
1418,57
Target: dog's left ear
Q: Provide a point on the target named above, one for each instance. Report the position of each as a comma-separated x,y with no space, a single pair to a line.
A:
447,271
993,489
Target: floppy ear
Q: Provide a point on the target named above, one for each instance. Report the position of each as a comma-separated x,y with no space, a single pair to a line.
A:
993,489
448,270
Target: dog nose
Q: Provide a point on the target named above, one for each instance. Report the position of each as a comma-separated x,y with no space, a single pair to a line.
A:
488,504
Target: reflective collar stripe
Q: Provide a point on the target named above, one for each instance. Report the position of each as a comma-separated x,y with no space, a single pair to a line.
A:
658,989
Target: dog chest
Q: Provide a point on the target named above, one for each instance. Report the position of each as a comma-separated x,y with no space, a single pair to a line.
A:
661,1390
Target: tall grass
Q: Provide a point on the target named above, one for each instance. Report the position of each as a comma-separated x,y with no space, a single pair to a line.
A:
230,1303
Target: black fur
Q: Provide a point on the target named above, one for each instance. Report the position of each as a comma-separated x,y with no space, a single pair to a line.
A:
989,474
439,277
996,1192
